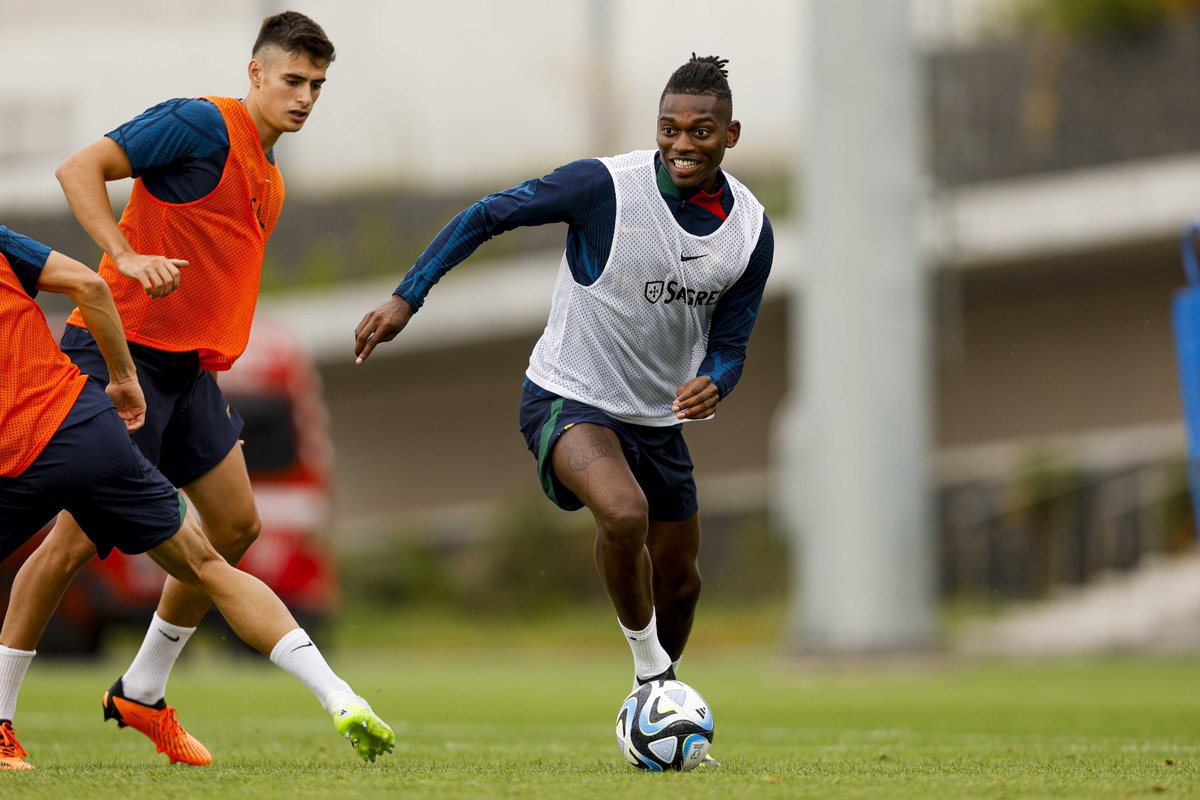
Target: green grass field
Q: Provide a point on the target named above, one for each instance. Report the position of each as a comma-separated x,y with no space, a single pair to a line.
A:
526,710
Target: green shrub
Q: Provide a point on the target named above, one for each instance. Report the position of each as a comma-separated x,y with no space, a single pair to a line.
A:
1099,17
539,559
534,559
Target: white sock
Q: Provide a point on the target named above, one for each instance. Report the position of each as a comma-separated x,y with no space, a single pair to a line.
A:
649,657
296,653
146,679
13,664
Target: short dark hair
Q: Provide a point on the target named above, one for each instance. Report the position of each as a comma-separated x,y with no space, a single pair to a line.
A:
705,75
295,33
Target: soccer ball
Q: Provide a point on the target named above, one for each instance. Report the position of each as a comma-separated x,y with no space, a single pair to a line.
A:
664,725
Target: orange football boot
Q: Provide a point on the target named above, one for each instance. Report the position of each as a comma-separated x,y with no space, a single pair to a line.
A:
12,755
159,723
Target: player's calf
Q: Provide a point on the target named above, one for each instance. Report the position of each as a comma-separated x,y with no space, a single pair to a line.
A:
261,620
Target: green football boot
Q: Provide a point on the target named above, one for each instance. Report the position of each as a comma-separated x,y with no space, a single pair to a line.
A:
368,734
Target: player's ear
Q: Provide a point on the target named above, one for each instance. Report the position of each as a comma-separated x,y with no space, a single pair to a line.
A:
255,73
733,133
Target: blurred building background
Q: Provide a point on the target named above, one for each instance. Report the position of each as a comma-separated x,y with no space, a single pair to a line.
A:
1062,159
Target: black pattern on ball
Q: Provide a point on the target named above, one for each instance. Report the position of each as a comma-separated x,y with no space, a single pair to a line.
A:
664,725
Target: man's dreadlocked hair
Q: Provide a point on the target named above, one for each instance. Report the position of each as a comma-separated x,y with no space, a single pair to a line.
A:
701,75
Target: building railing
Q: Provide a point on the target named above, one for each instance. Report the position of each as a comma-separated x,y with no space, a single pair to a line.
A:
1013,107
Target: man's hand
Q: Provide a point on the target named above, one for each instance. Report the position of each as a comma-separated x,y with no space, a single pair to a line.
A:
158,275
131,404
381,325
696,399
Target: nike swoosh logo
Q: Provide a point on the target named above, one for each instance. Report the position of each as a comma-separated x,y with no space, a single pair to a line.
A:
169,636
301,647
692,258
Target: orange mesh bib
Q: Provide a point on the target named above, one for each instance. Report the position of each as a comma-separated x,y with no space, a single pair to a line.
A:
38,383
222,236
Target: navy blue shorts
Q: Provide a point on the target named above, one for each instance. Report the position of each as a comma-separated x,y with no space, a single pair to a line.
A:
92,469
658,457
190,427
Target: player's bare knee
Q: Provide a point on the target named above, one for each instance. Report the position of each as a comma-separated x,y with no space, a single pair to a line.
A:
623,526
689,588
209,572
186,555
200,570
248,532
188,574
235,539
626,513
183,567
681,584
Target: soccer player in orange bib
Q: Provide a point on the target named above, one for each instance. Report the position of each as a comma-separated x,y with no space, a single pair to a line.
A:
183,265
63,444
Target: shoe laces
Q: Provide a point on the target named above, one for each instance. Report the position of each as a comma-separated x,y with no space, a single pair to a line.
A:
168,725
9,746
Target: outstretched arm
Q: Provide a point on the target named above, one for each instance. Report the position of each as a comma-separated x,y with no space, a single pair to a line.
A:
89,291
84,176
580,194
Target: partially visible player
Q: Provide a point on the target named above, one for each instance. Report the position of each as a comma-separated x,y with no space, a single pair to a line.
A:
63,445
206,198
666,260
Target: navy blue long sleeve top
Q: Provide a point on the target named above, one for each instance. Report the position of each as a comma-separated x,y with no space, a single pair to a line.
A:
582,195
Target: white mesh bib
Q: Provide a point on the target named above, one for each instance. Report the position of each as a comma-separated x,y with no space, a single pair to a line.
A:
628,341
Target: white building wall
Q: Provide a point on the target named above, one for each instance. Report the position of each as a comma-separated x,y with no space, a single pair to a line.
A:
76,69
422,94
459,93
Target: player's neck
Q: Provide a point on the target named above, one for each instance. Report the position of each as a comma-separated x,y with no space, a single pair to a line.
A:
267,135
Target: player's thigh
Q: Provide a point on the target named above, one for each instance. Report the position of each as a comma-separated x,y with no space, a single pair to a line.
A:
116,496
67,544
674,548
203,431
223,497
588,459
23,512
664,470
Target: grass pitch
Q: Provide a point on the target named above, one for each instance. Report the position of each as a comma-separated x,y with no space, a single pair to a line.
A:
484,715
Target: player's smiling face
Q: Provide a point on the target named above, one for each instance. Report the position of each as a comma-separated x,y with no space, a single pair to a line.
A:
285,88
694,131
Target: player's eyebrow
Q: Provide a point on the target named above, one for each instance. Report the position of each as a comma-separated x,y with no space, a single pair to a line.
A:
299,77
698,120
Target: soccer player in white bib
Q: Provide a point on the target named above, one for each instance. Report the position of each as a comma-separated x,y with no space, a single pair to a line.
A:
666,259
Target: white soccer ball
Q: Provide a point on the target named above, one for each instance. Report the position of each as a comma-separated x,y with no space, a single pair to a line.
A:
664,725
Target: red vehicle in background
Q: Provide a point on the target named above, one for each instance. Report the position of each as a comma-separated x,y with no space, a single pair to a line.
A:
275,388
